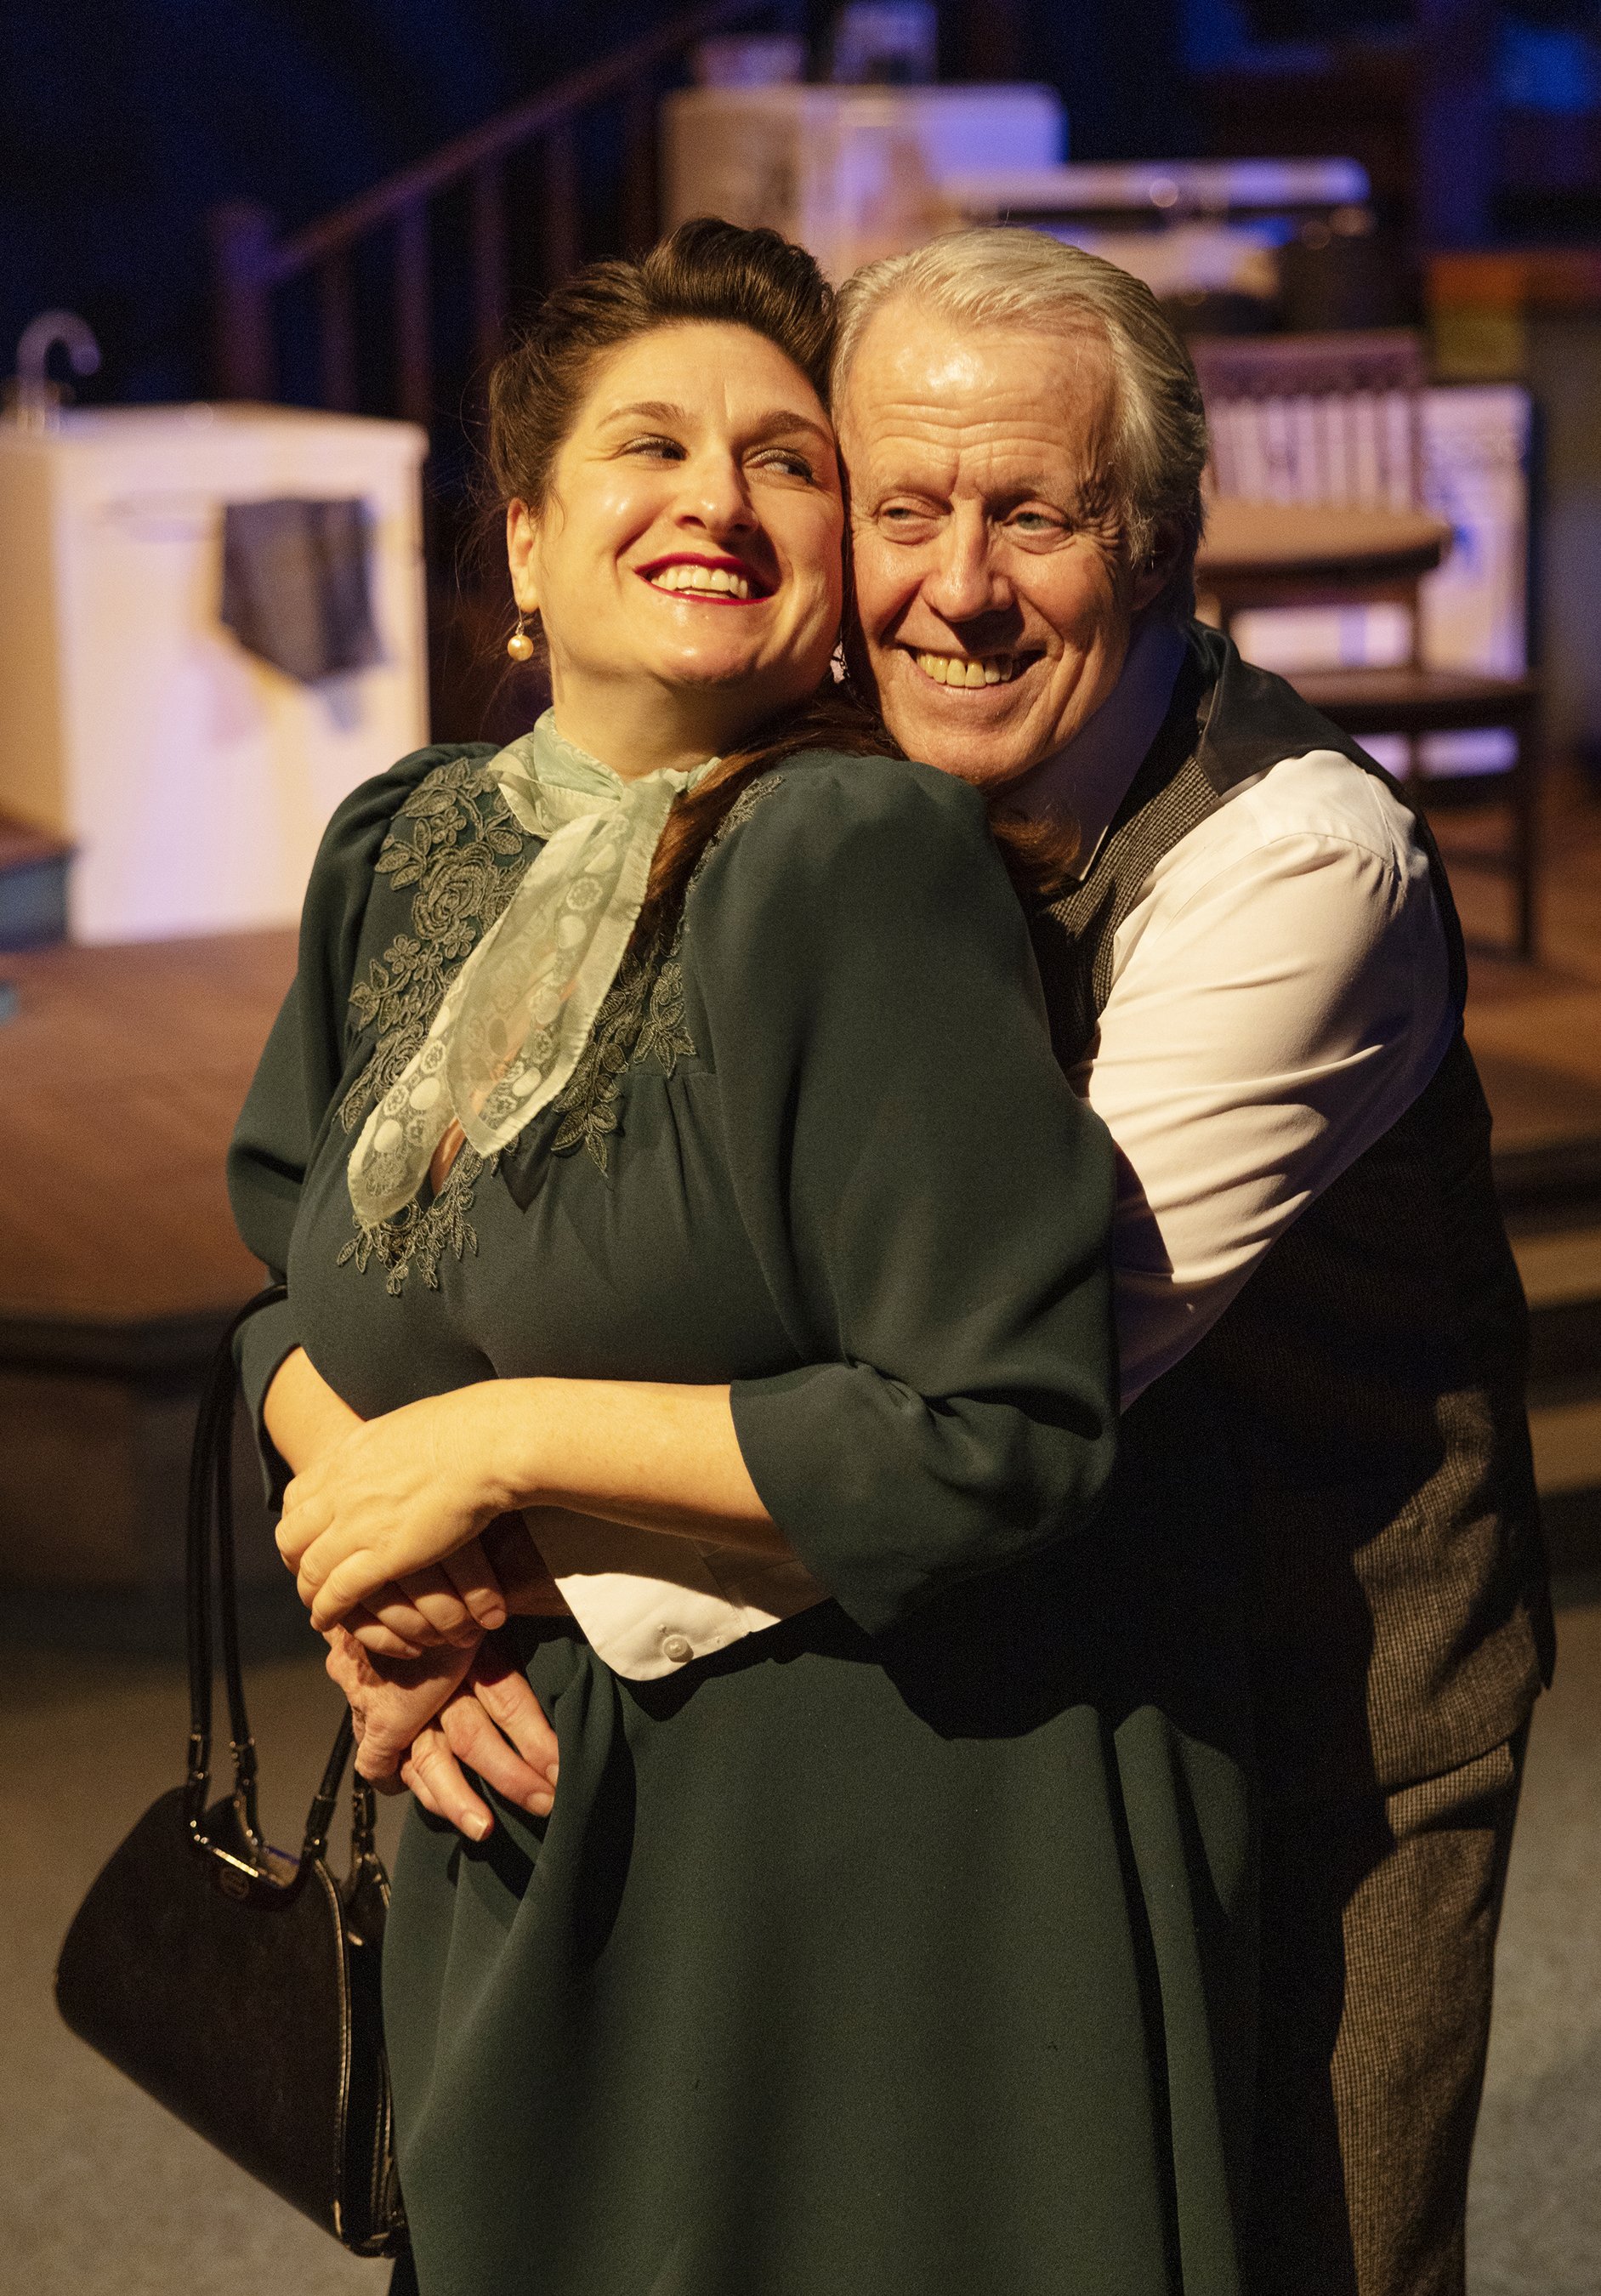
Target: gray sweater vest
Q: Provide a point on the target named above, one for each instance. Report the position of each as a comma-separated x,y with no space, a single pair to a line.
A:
1367,1383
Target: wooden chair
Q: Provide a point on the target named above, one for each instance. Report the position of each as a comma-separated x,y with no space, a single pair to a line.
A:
1316,480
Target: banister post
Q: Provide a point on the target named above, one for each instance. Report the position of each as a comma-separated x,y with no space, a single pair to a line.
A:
243,235
414,315
488,248
560,217
337,315
639,202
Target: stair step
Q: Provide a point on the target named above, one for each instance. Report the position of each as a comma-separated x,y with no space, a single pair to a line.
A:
1561,1268
34,867
1550,1189
1567,1445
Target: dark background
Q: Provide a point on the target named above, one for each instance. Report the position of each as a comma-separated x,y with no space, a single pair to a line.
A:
124,124
123,121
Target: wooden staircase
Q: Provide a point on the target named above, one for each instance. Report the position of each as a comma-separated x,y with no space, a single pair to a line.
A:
470,180
398,302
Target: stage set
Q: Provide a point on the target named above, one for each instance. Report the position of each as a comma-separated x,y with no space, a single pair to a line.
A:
240,571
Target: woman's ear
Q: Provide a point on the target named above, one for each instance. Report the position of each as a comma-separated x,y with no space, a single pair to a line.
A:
522,544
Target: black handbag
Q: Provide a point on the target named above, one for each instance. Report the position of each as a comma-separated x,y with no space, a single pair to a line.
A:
235,1984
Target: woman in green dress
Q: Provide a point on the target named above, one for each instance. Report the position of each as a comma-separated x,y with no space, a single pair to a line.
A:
662,1137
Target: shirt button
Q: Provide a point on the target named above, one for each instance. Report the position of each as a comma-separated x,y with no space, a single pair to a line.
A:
677,1647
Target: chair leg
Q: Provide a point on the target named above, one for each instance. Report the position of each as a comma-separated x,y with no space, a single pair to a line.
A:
1525,856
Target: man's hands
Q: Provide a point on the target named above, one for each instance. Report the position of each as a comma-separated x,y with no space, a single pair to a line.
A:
418,1722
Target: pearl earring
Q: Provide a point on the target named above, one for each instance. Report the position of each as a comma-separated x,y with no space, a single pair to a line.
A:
519,645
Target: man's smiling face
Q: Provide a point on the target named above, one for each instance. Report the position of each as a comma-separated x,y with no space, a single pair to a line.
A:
993,592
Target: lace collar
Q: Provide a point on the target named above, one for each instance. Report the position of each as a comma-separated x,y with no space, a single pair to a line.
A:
513,1023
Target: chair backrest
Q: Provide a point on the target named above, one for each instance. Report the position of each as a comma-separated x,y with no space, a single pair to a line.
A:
1315,418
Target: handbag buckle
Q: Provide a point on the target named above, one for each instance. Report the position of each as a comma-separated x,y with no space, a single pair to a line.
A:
252,1873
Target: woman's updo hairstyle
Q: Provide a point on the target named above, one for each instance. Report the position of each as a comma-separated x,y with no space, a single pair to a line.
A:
706,271
717,274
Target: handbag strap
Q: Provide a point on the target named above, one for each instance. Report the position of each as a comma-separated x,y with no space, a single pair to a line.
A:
318,1817
211,1502
210,1524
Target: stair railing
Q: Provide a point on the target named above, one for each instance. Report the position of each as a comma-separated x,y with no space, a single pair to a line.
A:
251,262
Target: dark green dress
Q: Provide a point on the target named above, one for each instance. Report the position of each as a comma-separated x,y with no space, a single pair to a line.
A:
900,1950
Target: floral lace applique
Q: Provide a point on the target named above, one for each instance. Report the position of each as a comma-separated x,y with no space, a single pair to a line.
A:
457,841
421,1234
642,1020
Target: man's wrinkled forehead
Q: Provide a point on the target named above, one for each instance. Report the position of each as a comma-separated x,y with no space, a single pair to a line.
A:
923,379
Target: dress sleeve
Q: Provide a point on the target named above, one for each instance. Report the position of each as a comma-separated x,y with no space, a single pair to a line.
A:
300,1070
929,1202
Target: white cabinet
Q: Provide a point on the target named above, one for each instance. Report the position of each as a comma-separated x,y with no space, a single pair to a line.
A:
194,778
852,173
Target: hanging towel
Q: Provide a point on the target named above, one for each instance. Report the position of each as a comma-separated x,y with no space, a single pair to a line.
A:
296,586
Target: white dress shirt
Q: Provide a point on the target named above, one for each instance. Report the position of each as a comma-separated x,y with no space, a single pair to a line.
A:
1279,998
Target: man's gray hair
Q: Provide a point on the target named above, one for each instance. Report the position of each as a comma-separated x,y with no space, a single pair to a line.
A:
999,277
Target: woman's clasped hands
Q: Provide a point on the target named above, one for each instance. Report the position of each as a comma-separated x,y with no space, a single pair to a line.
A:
401,1498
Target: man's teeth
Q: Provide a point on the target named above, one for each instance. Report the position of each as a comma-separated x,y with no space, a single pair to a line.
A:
706,581
957,670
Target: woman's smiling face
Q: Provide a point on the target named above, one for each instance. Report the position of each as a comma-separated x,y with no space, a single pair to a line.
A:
686,564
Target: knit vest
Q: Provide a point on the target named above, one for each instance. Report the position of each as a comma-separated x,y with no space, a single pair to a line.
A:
1369,1381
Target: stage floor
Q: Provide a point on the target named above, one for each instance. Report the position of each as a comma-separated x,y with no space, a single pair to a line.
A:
120,1077
98,2186
1536,1028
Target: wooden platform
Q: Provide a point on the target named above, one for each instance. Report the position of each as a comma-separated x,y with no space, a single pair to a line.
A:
120,1077
1536,1028
123,1071
1536,1033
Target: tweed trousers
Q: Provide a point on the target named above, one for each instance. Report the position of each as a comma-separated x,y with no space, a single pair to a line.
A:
1379,1919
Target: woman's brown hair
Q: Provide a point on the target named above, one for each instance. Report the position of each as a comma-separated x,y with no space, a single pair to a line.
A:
706,271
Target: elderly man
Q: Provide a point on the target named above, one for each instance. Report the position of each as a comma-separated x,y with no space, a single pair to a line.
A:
1258,979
